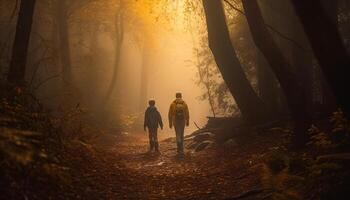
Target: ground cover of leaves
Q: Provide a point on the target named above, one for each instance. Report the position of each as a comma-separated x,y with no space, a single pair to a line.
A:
125,170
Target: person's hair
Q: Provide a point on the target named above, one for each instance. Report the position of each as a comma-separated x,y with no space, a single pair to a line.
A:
178,95
152,102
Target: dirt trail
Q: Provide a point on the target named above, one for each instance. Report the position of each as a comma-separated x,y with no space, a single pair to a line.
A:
126,171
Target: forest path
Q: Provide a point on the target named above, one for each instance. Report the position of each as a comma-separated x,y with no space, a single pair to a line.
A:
127,171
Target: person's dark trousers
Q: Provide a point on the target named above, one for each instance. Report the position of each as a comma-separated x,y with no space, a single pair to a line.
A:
180,129
153,139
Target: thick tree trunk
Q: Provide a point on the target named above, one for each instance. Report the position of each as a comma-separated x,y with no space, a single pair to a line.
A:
251,107
328,47
331,9
64,46
302,62
282,69
267,84
17,69
329,103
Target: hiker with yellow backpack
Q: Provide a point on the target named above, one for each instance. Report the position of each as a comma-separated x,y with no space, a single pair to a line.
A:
179,117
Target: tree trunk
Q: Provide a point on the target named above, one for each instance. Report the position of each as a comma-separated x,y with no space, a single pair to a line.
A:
302,62
93,79
251,107
17,69
118,50
64,46
329,103
144,78
267,84
328,47
331,9
282,69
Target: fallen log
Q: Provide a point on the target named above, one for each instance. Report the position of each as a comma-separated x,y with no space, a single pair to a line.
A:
203,145
197,132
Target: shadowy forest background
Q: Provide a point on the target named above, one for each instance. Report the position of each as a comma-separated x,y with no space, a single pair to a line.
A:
76,73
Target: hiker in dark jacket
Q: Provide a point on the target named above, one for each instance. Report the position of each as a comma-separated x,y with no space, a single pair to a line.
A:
153,120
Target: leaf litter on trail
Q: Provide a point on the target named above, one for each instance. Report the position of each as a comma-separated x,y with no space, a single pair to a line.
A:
155,164
125,171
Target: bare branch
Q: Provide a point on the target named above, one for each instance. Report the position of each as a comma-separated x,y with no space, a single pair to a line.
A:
277,32
13,11
46,80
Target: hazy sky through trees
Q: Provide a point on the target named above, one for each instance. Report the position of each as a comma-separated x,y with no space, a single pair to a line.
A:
171,71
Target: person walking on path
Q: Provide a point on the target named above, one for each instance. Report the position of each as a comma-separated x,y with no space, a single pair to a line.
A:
153,120
179,117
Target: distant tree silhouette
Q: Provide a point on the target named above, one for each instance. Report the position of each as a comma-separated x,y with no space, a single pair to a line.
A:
64,45
16,74
119,32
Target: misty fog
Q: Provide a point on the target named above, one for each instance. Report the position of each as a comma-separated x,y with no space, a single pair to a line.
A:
157,60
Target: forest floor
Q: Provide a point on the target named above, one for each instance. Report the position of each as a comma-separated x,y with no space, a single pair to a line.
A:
124,170
42,159
39,161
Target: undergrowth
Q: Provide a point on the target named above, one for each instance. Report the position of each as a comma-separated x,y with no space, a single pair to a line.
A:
34,146
318,172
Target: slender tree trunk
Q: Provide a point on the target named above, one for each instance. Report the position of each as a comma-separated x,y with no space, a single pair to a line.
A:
282,69
328,47
93,79
118,51
207,84
251,107
144,78
64,46
18,62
